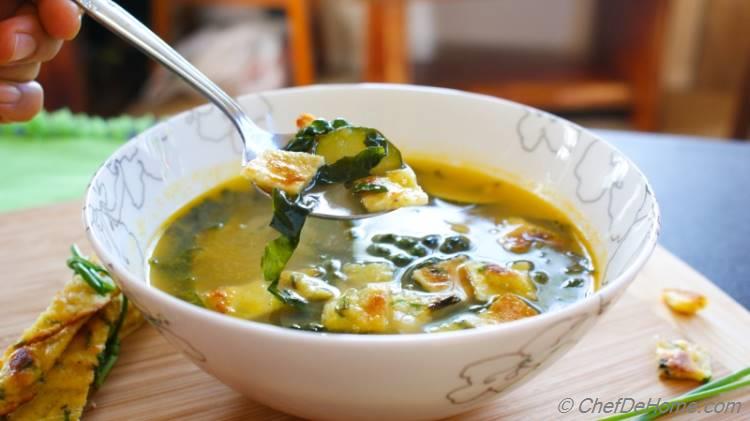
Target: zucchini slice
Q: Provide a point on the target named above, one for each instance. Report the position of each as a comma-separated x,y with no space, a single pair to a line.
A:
349,141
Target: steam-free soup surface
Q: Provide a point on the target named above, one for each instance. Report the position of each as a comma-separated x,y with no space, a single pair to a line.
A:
489,252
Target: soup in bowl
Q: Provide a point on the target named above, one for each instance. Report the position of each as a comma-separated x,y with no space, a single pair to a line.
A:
533,227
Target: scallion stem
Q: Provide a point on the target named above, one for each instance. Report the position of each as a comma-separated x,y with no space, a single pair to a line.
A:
726,384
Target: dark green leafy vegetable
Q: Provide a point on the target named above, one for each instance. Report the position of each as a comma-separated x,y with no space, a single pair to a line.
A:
455,244
95,276
445,302
419,251
287,296
339,122
431,241
350,168
540,277
288,215
305,139
369,188
574,283
385,238
401,260
351,153
320,126
288,219
378,250
111,353
405,243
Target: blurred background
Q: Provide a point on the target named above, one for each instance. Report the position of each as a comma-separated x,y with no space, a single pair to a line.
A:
677,66
664,66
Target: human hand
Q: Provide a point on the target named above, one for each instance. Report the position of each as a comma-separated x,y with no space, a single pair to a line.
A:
30,34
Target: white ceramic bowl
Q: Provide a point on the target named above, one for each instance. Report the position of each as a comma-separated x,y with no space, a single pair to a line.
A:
374,376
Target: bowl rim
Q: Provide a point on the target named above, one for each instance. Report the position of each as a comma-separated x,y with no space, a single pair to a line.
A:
618,284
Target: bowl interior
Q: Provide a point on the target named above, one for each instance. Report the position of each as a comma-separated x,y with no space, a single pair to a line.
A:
159,171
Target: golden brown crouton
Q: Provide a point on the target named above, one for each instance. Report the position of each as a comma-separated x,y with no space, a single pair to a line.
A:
361,274
523,234
366,310
489,280
509,307
401,190
307,284
249,301
680,359
285,170
440,275
304,120
683,301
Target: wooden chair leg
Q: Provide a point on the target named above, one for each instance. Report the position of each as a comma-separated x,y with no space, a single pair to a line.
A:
373,57
300,43
64,80
741,129
629,44
161,18
386,49
396,42
647,79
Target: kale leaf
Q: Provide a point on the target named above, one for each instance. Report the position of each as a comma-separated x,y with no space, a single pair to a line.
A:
369,188
351,168
288,219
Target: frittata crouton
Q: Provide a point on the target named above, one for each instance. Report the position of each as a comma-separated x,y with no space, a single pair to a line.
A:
361,274
307,284
365,310
401,190
250,301
410,310
285,170
505,308
439,275
508,307
304,120
520,235
489,280
683,301
680,359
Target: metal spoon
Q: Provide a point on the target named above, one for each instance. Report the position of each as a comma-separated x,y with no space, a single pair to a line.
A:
332,202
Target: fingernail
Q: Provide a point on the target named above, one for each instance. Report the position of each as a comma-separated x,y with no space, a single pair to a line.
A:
9,94
25,47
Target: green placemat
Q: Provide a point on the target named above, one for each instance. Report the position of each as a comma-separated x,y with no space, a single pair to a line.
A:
53,157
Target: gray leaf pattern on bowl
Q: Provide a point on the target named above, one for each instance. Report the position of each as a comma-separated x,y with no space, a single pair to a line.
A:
490,376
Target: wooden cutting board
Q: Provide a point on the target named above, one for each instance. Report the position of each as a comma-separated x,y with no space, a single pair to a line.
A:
152,381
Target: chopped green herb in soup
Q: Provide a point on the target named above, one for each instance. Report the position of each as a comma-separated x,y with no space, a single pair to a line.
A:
448,265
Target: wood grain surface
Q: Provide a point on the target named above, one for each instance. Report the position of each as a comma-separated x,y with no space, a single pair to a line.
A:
152,381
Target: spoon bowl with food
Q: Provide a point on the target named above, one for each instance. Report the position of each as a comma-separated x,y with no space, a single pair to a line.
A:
320,156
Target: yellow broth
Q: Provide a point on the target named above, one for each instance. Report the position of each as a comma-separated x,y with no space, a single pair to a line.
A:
209,254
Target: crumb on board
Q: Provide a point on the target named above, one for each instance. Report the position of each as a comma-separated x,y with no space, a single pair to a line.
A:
680,359
683,301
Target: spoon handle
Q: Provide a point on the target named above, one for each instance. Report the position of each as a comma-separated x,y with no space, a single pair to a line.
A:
119,21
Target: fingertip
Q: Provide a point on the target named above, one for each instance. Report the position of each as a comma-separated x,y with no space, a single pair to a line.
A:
9,28
23,107
61,18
